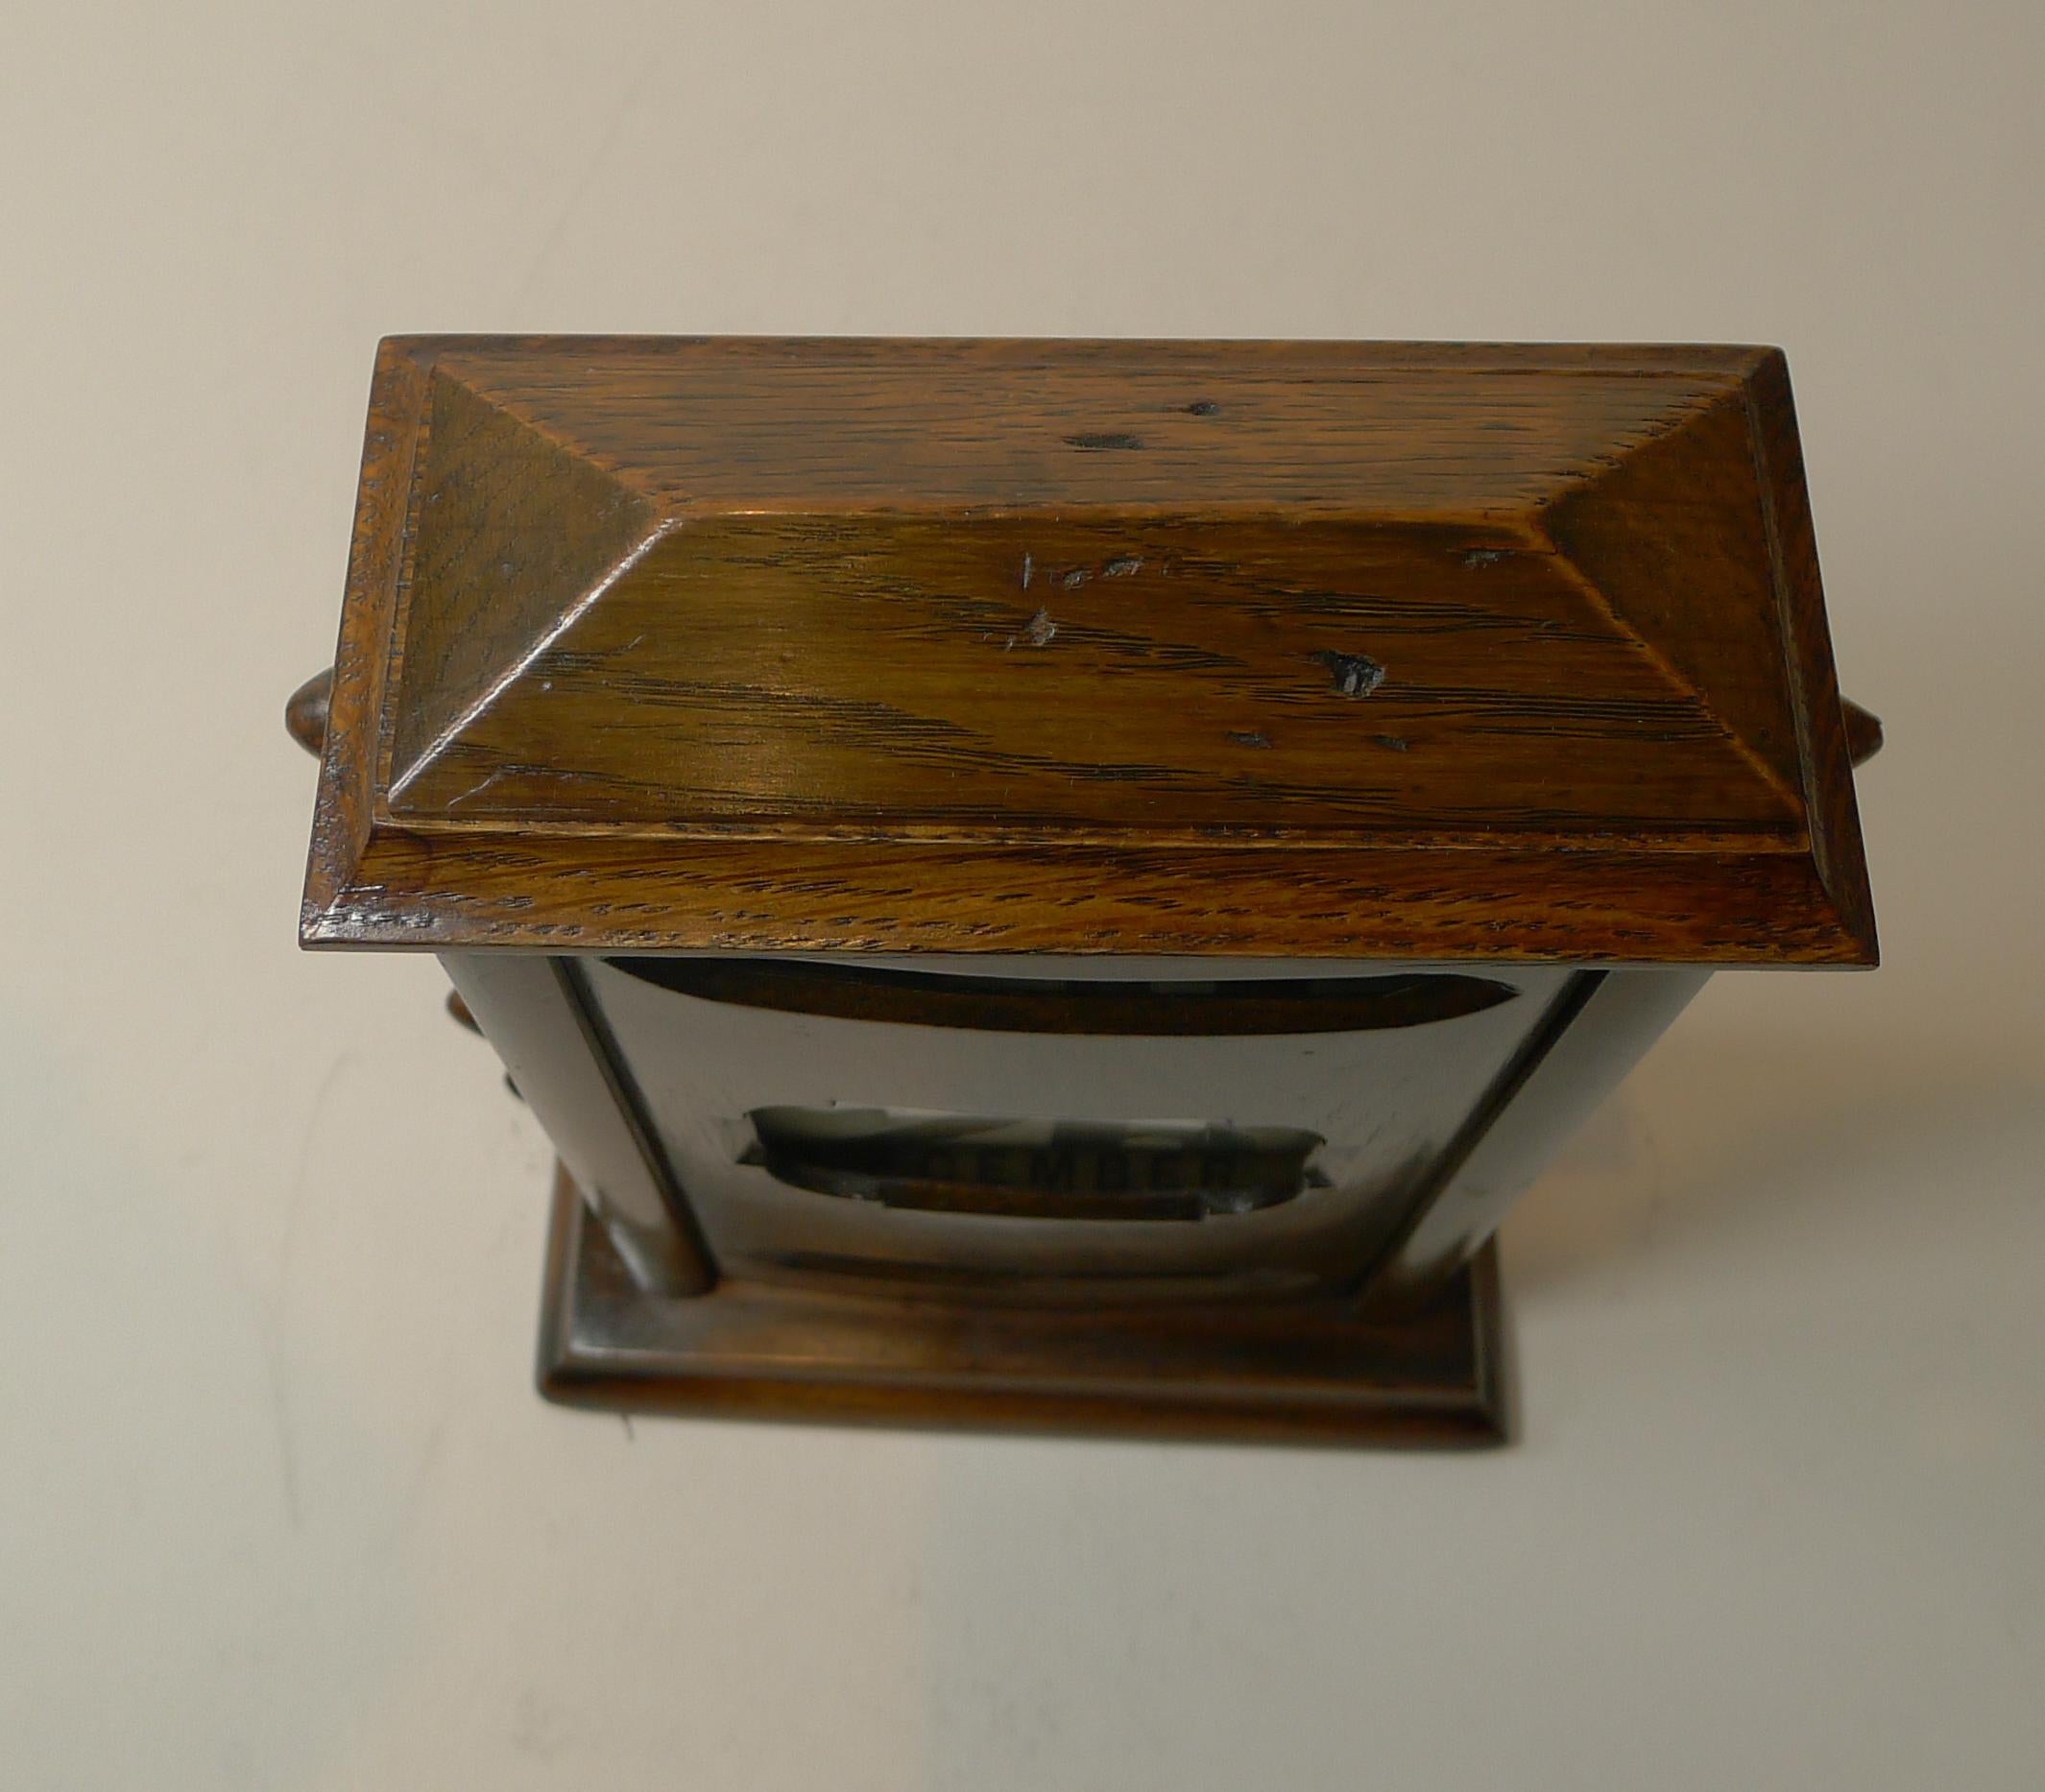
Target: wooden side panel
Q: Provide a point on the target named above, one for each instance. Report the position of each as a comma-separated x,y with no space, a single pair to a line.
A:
846,425
1671,541
514,533
349,794
1825,752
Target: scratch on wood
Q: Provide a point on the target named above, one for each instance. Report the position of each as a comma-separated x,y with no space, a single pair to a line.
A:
1094,442
1041,629
1123,568
1248,737
1355,674
1486,556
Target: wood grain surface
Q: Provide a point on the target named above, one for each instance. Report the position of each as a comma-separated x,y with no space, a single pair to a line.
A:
1335,1371
1362,649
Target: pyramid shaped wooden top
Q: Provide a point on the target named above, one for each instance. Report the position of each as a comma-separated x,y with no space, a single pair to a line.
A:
1367,650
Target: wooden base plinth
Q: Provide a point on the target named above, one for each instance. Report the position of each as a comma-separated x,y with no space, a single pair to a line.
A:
1289,1372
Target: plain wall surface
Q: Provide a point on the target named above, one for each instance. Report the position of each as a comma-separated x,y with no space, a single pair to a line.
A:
277,1506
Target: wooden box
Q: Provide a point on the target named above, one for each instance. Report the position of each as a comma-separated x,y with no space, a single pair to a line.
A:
1068,883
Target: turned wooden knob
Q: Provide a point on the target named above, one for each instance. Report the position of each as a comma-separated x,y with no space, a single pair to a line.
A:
305,712
1863,731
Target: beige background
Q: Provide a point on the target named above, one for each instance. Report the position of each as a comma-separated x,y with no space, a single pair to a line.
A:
277,1508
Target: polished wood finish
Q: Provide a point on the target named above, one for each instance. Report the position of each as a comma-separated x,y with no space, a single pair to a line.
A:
1373,651
1863,732
1286,1371
305,711
745,722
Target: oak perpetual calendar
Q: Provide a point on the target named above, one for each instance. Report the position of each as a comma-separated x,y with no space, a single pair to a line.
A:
1068,883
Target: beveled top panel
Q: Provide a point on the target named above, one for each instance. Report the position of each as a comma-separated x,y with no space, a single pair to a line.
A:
1241,647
